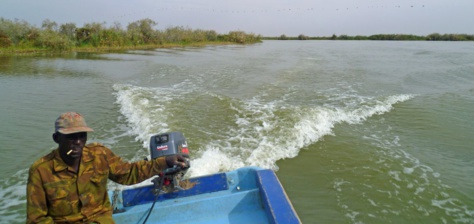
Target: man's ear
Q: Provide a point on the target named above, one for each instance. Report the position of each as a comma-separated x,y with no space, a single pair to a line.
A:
56,137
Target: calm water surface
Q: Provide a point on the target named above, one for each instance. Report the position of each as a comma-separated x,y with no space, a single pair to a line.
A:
358,132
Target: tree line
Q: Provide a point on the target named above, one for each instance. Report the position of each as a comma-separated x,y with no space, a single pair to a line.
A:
20,35
430,37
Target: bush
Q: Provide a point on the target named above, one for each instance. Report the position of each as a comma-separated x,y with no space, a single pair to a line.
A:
16,30
52,40
302,37
211,35
283,37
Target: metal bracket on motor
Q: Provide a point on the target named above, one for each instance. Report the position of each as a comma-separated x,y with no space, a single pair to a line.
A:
169,179
166,144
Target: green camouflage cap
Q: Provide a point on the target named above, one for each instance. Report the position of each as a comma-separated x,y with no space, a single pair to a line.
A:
71,122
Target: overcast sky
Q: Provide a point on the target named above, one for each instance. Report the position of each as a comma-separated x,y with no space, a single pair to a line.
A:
265,17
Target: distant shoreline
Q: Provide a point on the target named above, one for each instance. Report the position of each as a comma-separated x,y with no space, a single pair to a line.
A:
105,49
396,37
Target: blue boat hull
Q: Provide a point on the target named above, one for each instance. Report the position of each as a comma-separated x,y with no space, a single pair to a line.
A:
245,195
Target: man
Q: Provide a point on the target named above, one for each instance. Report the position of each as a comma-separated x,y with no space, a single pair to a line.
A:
69,185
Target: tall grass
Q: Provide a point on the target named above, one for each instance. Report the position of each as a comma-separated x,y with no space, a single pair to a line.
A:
19,35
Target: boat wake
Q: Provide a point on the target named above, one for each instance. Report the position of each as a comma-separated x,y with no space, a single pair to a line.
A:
252,132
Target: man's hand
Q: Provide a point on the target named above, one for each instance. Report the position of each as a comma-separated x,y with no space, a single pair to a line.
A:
181,160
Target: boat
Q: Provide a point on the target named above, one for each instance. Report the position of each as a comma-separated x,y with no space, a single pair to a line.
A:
245,195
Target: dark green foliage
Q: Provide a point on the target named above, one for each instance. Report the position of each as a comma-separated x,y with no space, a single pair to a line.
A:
395,37
343,37
450,37
303,37
83,35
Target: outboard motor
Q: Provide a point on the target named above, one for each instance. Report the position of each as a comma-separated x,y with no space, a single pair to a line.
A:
166,144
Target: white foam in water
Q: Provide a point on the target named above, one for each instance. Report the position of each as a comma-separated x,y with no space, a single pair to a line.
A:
266,137
13,195
144,118
213,161
311,125
408,170
408,178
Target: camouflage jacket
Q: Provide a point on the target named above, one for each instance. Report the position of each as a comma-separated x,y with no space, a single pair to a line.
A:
57,194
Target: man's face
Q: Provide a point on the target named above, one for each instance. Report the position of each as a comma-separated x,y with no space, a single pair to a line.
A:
71,145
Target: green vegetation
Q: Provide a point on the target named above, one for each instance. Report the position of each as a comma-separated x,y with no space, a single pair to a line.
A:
21,37
431,37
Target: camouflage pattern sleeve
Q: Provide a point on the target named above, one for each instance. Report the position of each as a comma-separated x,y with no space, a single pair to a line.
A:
36,208
128,173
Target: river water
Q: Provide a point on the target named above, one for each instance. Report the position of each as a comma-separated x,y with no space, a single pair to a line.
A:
357,131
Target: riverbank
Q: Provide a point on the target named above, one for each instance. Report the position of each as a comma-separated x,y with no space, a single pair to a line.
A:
19,37
106,49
